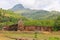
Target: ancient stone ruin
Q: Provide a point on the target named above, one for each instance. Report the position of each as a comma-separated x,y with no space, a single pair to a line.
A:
21,27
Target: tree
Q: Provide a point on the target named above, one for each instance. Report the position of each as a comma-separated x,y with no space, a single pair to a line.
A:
57,24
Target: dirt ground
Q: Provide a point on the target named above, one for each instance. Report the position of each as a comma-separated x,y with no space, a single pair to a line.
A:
30,35
2,37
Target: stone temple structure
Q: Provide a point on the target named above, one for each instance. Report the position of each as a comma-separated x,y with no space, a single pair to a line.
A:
21,27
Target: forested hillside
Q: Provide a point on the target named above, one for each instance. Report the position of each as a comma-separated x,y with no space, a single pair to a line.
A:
41,14
8,17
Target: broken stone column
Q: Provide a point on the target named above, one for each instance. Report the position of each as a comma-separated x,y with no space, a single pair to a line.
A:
20,25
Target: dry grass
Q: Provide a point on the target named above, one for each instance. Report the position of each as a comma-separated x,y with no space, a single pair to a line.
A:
40,35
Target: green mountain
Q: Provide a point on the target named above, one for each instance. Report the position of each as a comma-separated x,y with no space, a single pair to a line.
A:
17,7
38,14
35,14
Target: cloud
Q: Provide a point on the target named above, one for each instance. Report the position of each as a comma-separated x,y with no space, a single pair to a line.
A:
41,4
32,4
27,3
3,4
47,4
54,5
6,4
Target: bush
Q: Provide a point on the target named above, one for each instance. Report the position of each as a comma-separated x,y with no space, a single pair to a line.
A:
54,38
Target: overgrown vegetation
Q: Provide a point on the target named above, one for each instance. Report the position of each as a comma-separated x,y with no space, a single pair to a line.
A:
8,17
40,23
57,24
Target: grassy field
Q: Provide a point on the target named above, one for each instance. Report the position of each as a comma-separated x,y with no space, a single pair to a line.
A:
11,35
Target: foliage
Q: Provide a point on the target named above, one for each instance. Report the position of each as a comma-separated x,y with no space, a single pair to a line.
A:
57,24
8,17
39,23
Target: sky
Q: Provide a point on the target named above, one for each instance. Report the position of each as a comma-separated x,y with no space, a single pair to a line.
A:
32,4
